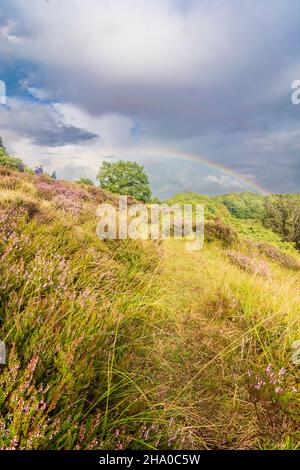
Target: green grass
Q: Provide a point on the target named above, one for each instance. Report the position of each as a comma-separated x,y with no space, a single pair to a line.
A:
254,230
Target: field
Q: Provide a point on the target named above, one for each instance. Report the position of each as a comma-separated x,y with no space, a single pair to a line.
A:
142,344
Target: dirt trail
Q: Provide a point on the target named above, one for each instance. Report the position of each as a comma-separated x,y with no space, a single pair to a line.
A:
200,354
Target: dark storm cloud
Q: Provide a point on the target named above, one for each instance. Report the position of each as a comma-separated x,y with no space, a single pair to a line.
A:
63,135
41,124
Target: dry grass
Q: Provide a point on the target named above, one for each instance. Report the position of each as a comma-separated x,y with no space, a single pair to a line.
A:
225,324
129,344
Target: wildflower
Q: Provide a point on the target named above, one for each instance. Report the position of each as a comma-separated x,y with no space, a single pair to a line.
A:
93,444
273,379
14,443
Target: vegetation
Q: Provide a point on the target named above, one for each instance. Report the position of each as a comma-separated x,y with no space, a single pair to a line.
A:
244,205
141,344
217,230
285,259
249,264
283,217
271,219
10,162
85,182
127,178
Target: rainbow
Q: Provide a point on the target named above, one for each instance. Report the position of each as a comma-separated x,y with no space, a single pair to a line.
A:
248,183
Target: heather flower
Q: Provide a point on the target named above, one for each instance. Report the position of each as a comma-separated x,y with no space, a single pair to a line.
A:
270,382
250,265
284,259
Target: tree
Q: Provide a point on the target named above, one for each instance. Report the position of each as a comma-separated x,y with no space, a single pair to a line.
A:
125,178
8,161
53,176
283,216
85,182
244,205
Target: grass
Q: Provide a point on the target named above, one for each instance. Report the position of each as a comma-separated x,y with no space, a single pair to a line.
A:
138,344
227,324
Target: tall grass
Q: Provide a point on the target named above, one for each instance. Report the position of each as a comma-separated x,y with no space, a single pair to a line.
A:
231,330
130,344
75,315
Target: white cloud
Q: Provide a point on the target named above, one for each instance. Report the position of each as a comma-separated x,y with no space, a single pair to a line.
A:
281,140
70,161
224,181
113,128
6,34
39,93
30,129
128,40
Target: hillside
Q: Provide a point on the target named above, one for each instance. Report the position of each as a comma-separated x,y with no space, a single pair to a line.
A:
142,344
246,213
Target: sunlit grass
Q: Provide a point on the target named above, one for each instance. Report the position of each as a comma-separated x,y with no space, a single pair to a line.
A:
130,344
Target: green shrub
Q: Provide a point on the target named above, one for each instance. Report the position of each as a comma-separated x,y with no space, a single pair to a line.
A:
282,215
10,162
284,259
244,205
85,182
218,230
249,264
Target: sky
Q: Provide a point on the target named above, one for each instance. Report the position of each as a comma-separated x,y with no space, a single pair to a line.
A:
155,81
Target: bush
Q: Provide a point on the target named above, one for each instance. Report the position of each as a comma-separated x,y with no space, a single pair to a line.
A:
282,215
250,265
284,259
217,230
244,205
85,182
10,162
50,189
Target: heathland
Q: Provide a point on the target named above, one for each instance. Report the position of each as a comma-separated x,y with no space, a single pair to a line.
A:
124,344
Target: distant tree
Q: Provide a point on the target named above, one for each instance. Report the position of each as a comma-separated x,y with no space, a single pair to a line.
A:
85,182
244,205
282,215
155,200
28,170
8,161
53,175
125,178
